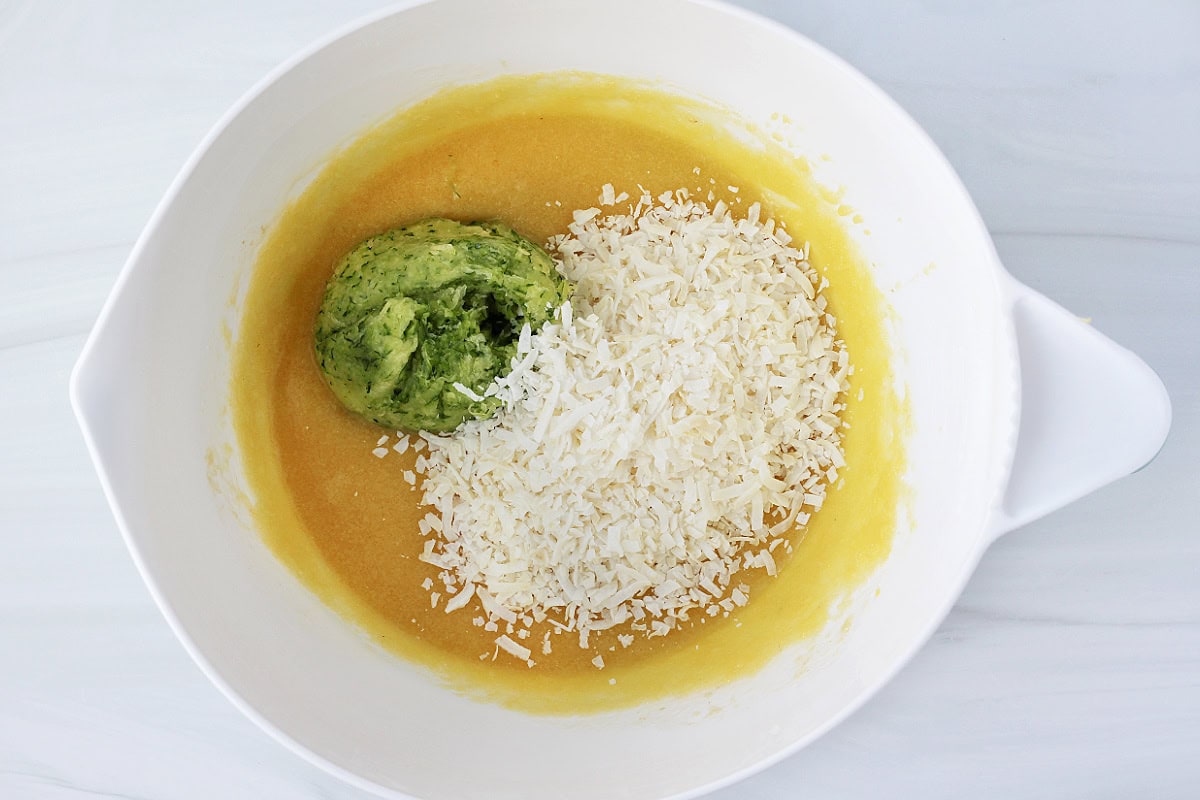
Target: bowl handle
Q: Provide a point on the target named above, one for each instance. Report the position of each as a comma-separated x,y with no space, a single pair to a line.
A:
1091,411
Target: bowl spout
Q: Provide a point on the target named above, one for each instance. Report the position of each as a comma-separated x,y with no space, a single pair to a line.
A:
1091,411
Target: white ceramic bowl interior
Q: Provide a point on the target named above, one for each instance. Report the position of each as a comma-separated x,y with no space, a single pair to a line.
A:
151,391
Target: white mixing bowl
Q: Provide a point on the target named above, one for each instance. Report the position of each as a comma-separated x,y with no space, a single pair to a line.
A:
1018,406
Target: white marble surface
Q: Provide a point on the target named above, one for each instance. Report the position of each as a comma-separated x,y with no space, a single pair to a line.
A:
1069,669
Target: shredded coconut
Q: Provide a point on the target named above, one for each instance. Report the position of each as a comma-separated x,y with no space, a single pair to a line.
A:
660,435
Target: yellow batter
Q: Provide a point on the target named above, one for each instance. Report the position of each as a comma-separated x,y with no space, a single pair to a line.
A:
528,151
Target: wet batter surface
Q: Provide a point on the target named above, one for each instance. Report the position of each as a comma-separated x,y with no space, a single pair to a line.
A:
534,150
